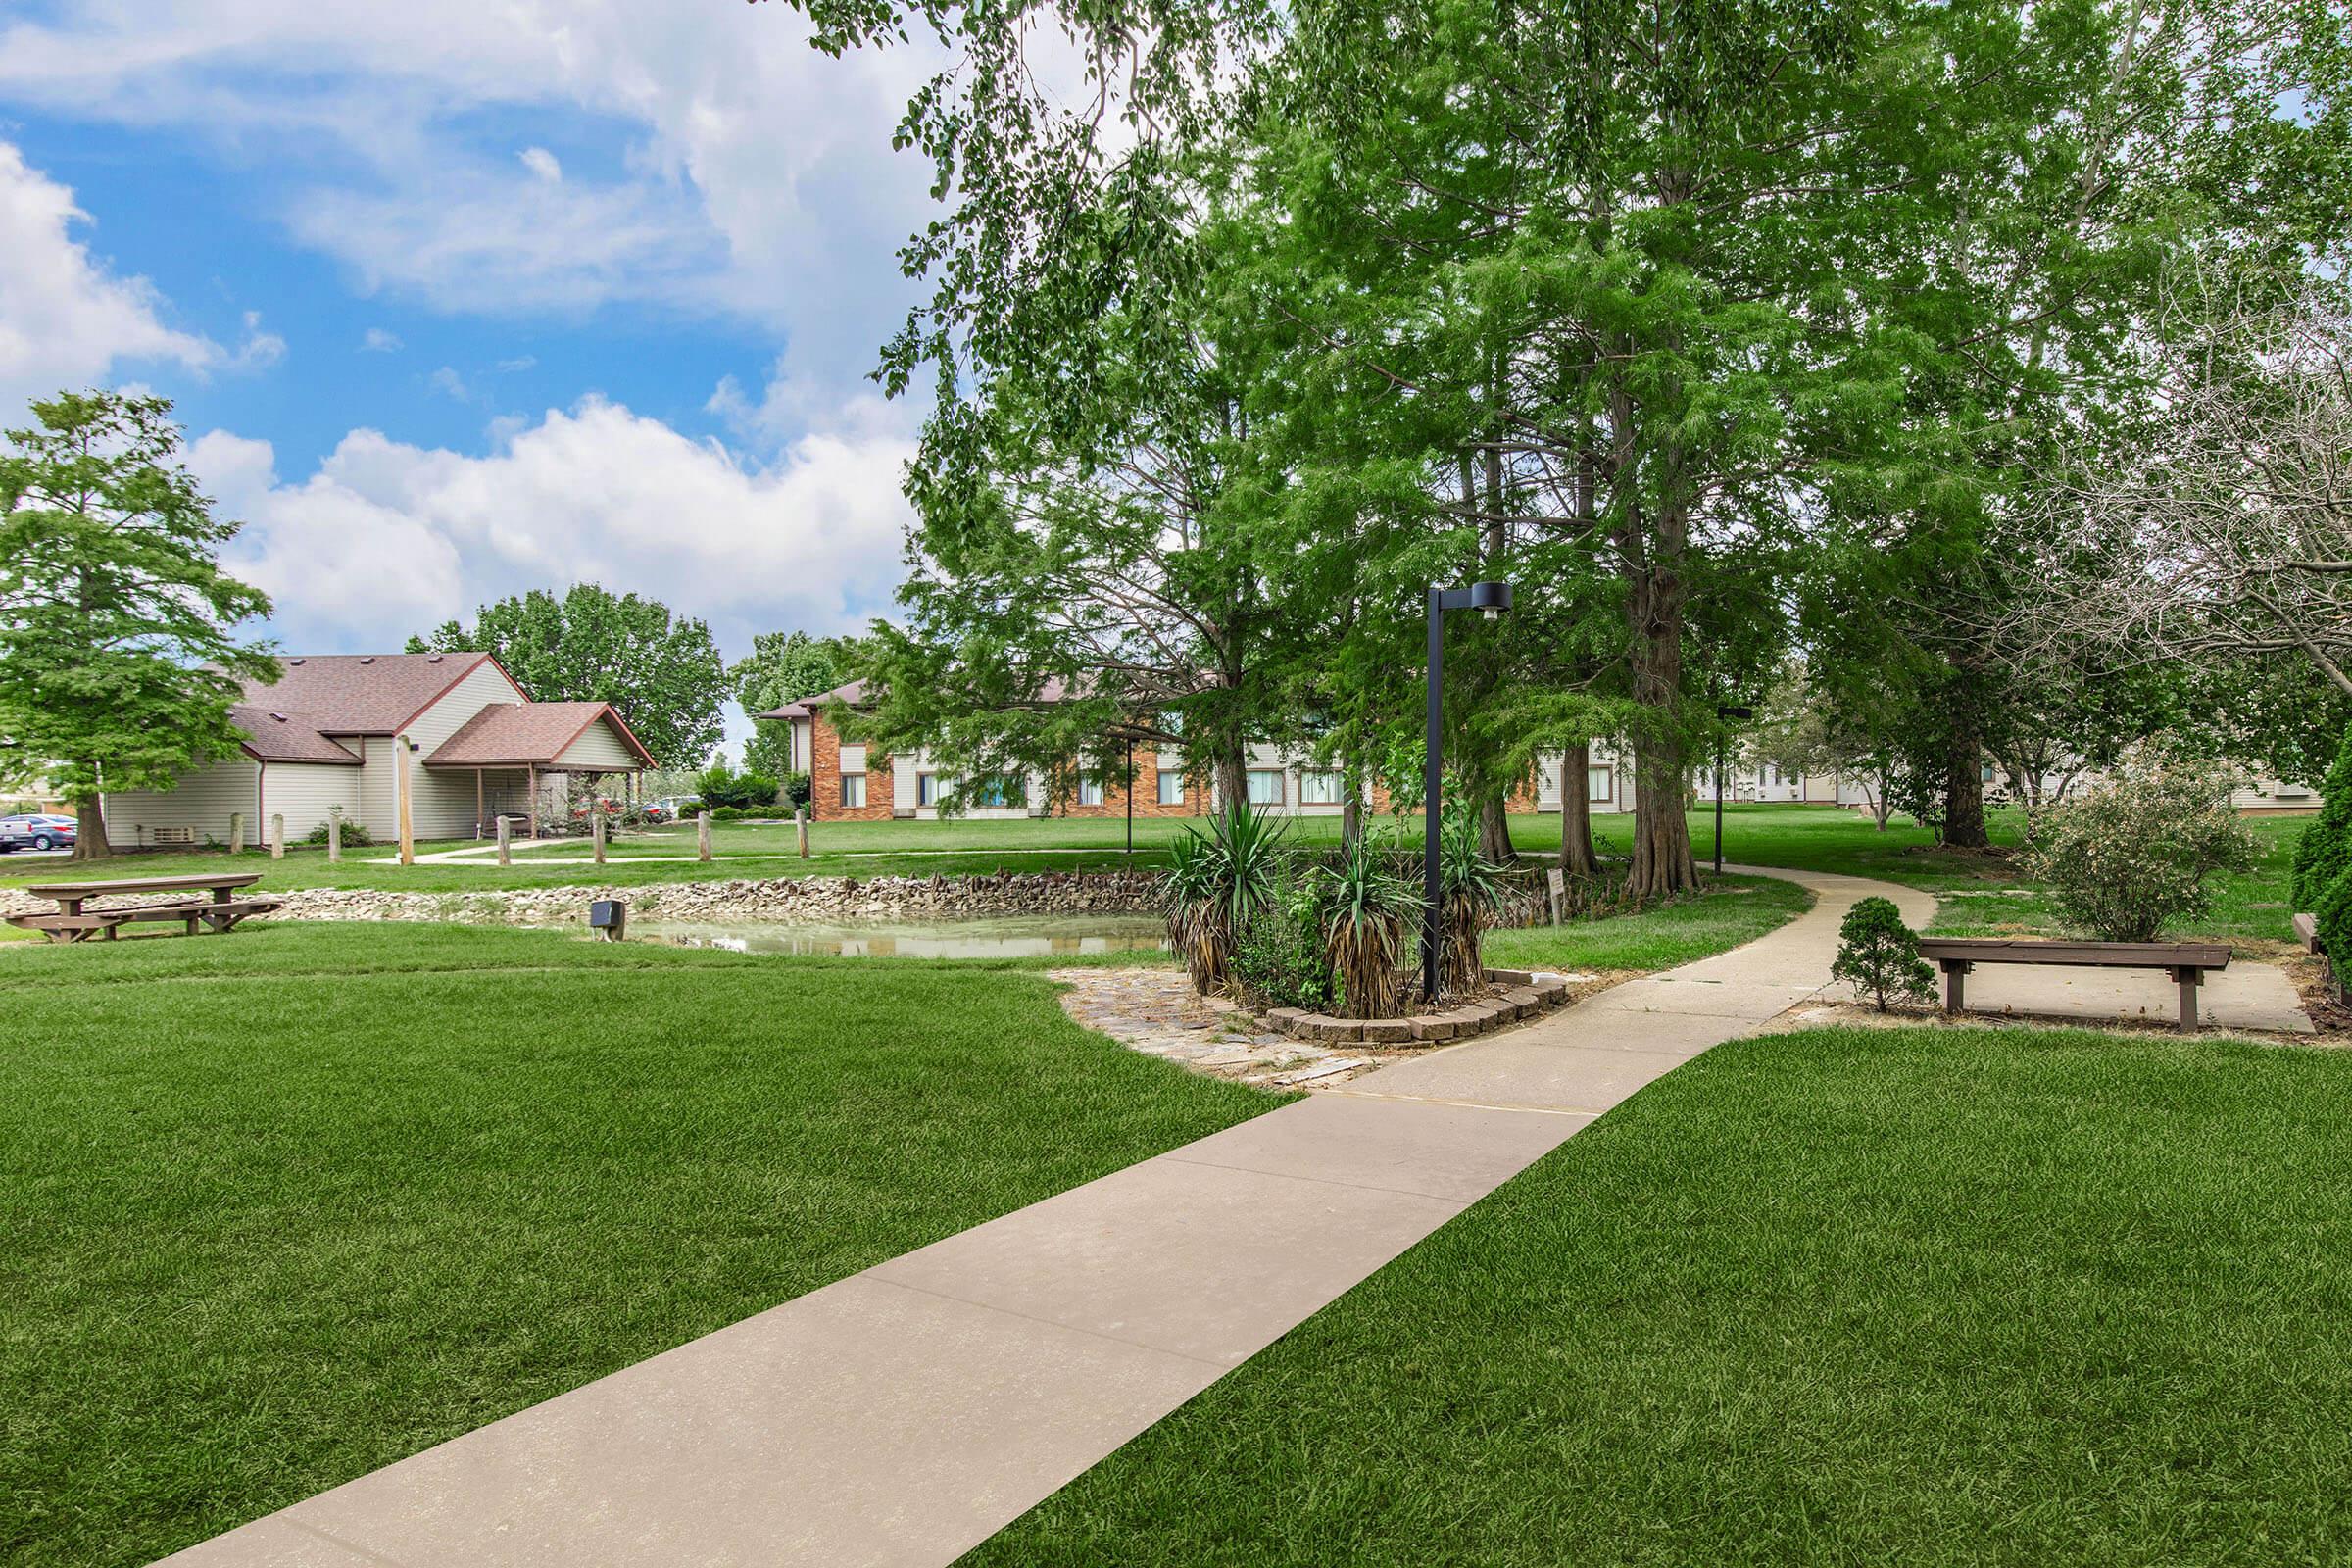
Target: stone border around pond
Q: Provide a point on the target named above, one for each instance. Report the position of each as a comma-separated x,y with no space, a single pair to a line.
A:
1522,993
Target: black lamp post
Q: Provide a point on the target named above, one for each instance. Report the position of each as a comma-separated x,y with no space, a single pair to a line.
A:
1493,598
1733,715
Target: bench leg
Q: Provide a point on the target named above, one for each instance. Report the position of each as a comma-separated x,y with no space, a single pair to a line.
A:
1954,986
2188,999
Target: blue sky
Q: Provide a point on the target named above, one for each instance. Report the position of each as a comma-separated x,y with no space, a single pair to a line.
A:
459,299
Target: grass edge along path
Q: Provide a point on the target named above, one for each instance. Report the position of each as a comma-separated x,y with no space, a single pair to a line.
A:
1929,1295
283,1207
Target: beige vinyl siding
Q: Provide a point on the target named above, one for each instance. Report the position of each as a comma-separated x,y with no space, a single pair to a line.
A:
377,808
204,798
487,684
441,802
599,746
302,792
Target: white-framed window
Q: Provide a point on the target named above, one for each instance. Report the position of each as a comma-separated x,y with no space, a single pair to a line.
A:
926,789
1320,789
1171,786
1002,789
1265,786
1596,784
1090,790
853,790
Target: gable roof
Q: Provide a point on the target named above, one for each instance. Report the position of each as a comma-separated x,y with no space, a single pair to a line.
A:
362,694
274,735
517,734
853,694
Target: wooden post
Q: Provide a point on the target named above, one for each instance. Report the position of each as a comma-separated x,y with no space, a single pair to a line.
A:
1955,987
800,821
278,835
1556,883
236,832
702,835
2188,999
479,813
334,833
531,787
596,827
400,788
506,829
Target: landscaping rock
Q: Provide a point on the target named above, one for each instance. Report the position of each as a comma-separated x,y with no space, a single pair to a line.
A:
1433,1026
1393,1030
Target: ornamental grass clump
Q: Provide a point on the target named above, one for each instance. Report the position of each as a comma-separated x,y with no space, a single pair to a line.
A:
2131,858
1370,910
1216,882
1471,892
1879,954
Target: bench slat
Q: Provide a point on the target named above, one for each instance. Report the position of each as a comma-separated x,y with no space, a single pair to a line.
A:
2094,954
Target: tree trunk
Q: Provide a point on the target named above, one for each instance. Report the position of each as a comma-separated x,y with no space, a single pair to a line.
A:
1494,830
1662,863
1352,809
89,828
1964,788
1577,857
1231,772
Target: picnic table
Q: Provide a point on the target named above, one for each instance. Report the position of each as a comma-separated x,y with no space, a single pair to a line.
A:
78,916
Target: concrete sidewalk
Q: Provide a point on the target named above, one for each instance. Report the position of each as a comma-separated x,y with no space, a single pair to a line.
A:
903,1415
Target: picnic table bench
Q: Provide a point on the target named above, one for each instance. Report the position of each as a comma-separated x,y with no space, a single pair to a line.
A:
2187,961
75,920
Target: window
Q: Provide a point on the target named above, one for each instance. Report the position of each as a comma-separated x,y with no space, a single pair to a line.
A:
1001,789
1319,789
1171,786
926,789
1090,790
853,790
1265,786
1598,786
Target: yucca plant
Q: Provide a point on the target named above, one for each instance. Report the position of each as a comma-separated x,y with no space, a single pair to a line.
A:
1370,910
1471,892
1216,882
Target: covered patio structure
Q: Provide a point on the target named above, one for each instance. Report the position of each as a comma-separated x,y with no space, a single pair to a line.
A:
503,753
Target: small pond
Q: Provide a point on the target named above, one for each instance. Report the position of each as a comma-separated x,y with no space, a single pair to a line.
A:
1012,937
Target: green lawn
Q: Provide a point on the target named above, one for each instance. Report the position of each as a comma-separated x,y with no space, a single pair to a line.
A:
1732,911
1847,1296
282,1207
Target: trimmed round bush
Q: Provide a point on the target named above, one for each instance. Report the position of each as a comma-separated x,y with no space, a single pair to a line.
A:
1879,955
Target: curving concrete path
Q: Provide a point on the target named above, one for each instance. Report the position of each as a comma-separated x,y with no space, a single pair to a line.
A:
903,1415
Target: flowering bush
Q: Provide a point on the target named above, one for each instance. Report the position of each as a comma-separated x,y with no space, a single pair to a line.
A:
2127,859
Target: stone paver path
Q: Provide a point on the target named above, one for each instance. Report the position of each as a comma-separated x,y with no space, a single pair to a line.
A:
903,1414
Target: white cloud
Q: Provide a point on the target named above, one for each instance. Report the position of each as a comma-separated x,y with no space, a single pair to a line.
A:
539,161
66,319
379,341
385,538
260,350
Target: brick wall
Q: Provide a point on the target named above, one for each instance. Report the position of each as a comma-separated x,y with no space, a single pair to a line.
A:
824,779
1146,793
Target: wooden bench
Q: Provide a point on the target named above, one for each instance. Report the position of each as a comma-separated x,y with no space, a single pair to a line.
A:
2185,961
2307,931
76,919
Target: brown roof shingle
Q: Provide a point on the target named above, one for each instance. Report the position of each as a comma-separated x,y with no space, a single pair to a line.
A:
512,734
360,694
278,736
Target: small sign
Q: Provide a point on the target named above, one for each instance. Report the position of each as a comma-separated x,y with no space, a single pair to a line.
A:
1556,881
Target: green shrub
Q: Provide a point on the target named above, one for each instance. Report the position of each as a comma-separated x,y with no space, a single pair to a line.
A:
353,833
1879,955
798,790
721,786
2130,858
2326,850
1278,959
2333,911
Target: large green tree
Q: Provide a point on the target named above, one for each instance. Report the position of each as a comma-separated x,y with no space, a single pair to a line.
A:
662,672
784,667
118,658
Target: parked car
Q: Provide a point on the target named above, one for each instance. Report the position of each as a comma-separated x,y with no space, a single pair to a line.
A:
37,830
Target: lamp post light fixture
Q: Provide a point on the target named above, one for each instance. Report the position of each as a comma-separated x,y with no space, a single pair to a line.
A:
1734,715
1493,598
